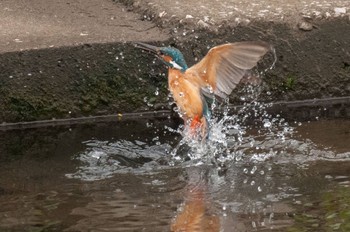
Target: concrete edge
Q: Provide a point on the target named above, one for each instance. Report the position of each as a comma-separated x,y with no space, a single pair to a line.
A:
327,108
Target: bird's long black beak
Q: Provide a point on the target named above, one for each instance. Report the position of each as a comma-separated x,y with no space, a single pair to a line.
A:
147,47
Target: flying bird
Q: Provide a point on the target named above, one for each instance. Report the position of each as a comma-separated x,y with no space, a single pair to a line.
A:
217,74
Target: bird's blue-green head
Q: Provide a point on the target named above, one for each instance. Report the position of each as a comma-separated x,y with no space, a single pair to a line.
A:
172,57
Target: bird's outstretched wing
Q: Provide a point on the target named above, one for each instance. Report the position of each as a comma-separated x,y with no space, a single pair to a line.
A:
224,66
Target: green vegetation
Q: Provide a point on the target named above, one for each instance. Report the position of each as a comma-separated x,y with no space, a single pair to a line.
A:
82,82
289,83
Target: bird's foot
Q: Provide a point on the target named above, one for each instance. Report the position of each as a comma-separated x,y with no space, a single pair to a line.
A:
198,128
195,123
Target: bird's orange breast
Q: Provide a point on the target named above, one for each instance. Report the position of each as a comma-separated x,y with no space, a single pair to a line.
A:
186,93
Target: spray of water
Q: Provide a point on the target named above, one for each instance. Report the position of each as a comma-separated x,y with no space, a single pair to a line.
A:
234,132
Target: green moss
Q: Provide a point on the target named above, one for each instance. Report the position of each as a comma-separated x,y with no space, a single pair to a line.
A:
23,109
290,81
72,90
127,93
30,107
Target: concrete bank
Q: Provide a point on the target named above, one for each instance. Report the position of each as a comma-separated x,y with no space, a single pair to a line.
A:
76,58
312,38
66,59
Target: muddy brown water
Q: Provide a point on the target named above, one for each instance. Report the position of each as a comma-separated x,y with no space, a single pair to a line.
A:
125,176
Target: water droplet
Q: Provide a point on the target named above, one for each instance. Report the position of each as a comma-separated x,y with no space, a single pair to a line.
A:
259,189
267,124
253,170
156,92
253,224
210,89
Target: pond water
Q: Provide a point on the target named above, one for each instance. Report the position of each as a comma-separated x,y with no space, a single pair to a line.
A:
142,175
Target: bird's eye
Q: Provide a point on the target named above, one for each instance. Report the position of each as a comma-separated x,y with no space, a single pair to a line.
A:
161,53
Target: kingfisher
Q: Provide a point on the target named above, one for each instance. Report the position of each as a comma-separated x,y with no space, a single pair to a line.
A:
216,75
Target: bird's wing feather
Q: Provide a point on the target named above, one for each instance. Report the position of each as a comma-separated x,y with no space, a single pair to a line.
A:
225,65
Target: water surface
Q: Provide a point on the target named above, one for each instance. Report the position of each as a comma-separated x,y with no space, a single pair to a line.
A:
142,176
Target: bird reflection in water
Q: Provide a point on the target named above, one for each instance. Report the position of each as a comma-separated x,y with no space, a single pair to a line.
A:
193,214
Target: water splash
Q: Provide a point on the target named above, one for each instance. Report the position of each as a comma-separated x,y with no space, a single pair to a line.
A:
103,159
247,134
234,144
250,129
